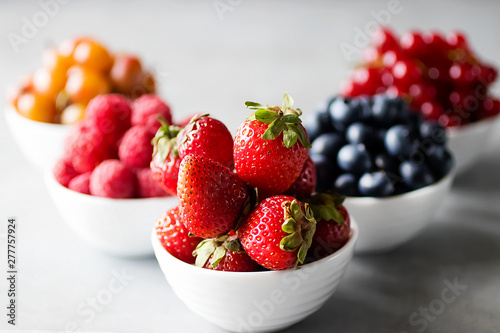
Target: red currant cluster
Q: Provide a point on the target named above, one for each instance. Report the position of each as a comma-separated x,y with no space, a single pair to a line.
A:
439,75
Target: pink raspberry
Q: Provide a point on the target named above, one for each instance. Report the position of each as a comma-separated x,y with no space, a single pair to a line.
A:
85,147
81,183
64,172
112,179
135,148
110,114
146,109
147,187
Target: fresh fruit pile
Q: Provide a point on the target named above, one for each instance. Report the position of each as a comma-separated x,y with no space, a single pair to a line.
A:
375,146
108,153
245,204
73,74
439,75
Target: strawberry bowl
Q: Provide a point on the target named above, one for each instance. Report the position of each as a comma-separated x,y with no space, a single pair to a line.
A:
115,226
41,143
386,223
263,301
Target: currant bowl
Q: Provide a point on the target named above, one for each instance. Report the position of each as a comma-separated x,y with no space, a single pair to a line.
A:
116,226
470,141
386,223
264,301
41,143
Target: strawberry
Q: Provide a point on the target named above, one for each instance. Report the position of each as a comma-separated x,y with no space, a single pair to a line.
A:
166,160
305,184
333,226
211,196
206,136
270,147
224,253
278,232
174,236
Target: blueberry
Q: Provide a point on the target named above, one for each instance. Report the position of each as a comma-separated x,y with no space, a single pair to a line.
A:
414,120
360,133
375,184
324,172
432,131
327,144
386,111
385,162
341,113
346,184
354,158
399,141
416,175
440,161
318,123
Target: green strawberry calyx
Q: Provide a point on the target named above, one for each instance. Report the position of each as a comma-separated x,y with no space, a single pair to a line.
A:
325,206
165,139
281,119
300,228
215,248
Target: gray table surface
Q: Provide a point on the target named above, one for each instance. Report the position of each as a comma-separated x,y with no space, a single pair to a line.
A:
213,61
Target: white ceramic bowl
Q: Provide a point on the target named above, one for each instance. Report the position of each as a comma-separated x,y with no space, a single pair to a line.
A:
116,226
469,142
255,301
41,143
386,223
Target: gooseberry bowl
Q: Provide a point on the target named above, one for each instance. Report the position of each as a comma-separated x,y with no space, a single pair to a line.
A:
470,141
116,226
386,223
41,143
263,301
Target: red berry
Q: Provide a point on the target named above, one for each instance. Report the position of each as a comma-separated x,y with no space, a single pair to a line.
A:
206,136
384,39
81,183
305,184
135,148
64,172
147,187
457,40
211,196
413,43
432,111
174,236
405,73
110,114
491,108
330,235
113,179
146,110
86,147
263,237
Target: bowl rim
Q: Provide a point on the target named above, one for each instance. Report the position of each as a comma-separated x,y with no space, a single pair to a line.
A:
52,182
349,246
11,110
408,195
453,131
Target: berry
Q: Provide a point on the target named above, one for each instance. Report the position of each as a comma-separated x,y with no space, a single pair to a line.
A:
270,148
387,111
433,132
64,172
206,136
224,253
135,148
343,113
91,54
83,84
413,43
384,39
416,175
324,172
359,133
113,179
375,184
86,147
175,237
272,242
333,228
439,160
211,197
147,187
305,184
354,158
327,144
81,183
318,123
346,184
36,107
386,162
399,141
146,110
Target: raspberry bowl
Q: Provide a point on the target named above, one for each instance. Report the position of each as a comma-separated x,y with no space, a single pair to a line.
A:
263,301
116,226
41,143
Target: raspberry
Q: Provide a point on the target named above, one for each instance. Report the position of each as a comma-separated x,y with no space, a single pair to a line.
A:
64,172
112,179
85,147
81,183
135,148
146,109
110,114
147,187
